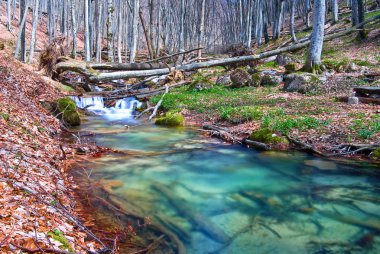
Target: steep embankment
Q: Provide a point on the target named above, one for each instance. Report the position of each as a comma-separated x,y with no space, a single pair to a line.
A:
36,207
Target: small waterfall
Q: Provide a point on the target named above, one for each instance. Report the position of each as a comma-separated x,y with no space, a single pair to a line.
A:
123,109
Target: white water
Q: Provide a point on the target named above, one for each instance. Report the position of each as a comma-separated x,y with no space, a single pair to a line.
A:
123,109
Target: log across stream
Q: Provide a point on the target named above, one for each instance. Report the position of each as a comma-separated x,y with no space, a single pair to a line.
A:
211,197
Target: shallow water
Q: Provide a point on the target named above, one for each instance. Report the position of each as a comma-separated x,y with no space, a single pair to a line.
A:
265,202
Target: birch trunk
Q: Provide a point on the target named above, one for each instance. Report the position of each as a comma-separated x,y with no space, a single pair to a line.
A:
34,30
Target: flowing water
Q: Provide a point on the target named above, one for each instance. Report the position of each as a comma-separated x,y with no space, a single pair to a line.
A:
220,198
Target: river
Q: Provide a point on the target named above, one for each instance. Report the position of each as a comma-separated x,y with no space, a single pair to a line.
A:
220,198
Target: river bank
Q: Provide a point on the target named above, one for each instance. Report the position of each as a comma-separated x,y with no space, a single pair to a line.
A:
38,212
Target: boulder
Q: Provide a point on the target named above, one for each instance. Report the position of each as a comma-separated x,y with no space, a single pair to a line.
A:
270,80
199,86
171,119
301,83
291,67
256,79
68,111
283,59
224,80
240,78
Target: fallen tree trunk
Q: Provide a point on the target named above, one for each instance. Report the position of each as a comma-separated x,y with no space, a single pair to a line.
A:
97,77
366,100
202,223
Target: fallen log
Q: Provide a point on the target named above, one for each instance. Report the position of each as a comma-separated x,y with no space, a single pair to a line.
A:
221,133
202,223
257,145
97,77
365,100
305,147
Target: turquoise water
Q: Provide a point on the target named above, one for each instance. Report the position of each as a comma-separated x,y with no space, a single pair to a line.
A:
220,198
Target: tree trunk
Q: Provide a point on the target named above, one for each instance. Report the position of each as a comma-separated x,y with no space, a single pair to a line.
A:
9,17
135,30
34,30
201,28
335,10
73,29
86,32
362,33
292,9
20,44
110,10
313,61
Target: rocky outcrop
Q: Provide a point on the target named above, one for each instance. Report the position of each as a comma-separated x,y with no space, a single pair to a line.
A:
68,112
271,80
301,83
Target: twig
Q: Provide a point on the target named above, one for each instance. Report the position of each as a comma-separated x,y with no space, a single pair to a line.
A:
46,250
176,54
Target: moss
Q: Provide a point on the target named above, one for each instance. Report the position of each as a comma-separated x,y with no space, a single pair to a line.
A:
267,136
376,154
291,67
200,83
58,236
268,80
68,110
171,119
256,79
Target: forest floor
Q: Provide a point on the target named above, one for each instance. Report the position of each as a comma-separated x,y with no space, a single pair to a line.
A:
37,209
317,119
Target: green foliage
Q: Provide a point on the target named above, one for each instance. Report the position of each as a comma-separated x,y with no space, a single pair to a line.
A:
171,119
271,64
286,124
376,154
267,136
240,114
58,236
365,129
5,116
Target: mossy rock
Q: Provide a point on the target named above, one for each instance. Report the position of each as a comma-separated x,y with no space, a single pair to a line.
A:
270,80
68,111
376,154
291,67
200,83
240,78
268,136
256,79
171,119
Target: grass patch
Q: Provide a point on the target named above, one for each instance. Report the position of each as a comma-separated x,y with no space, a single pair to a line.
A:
365,129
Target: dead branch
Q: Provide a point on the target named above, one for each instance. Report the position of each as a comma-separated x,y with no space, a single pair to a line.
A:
176,54
305,147
159,103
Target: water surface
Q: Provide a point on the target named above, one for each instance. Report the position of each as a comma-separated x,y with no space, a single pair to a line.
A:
236,200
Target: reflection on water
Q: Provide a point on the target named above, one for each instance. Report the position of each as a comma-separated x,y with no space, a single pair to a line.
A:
226,199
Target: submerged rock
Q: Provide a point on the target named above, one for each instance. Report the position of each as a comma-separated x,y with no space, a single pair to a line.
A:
171,119
68,111
301,83
322,165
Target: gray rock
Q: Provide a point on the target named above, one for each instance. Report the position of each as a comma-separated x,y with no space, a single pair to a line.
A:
283,59
353,100
224,80
271,80
199,86
301,83
240,78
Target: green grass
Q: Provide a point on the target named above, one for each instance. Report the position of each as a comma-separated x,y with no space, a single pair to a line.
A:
364,129
371,14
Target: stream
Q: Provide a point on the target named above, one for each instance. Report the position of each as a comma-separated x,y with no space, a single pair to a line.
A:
219,198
